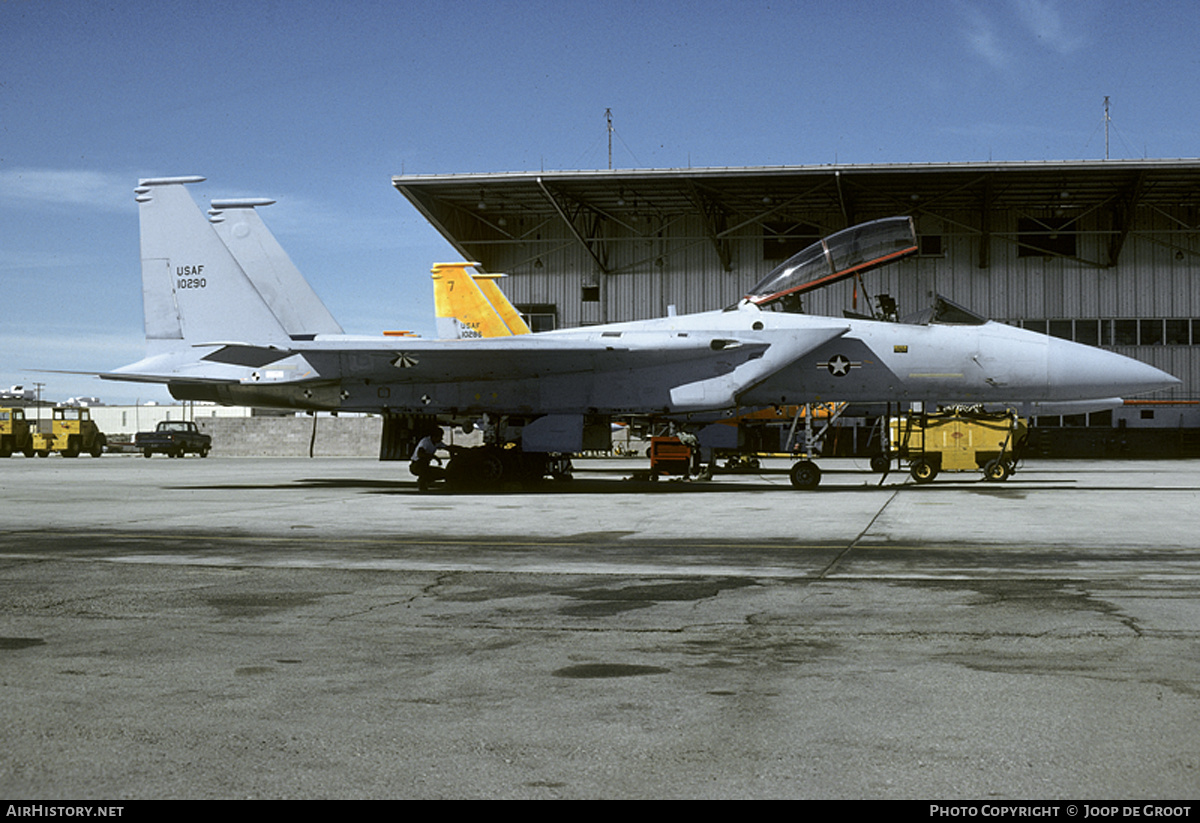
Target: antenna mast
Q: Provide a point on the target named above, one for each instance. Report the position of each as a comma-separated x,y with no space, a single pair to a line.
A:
1106,121
608,117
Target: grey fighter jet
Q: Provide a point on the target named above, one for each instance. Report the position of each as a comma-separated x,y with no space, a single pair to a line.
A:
215,332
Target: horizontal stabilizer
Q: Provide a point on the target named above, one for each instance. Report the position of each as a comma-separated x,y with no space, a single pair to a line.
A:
237,354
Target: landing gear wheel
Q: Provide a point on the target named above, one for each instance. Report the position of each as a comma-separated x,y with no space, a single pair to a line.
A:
805,475
997,470
489,470
923,471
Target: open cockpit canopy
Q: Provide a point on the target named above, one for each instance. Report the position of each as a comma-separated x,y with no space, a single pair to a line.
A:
838,256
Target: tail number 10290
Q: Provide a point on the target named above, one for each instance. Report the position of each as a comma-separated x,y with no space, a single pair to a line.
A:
189,277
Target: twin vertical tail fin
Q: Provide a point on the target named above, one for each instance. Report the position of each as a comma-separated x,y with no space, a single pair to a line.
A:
226,279
218,280
193,290
471,305
508,313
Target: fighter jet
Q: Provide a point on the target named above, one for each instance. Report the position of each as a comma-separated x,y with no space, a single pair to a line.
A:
215,333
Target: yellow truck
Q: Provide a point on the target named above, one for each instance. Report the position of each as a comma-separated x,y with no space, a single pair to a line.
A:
15,434
71,432
959,440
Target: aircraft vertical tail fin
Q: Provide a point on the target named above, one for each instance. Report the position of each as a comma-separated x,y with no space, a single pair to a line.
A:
460,307
270,269
508,313
193,290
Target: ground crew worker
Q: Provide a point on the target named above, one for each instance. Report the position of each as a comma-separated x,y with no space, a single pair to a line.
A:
421,463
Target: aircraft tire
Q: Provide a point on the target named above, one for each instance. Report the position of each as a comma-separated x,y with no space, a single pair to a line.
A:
805,475
490,469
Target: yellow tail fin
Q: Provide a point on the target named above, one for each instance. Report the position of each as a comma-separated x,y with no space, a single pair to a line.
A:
460,306
510,316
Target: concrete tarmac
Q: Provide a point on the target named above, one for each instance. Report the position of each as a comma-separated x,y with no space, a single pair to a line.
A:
290,628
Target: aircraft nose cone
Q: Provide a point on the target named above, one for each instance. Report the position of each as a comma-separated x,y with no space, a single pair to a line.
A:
1082,372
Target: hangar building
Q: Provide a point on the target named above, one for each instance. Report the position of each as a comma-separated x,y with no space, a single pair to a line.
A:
1104,252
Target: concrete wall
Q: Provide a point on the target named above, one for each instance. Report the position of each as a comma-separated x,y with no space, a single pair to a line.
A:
291,436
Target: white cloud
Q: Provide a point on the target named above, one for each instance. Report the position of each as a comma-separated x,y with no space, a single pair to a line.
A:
984,39
1044,19
54,187
997,40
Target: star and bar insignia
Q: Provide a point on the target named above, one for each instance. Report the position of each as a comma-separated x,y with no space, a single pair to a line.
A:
840,365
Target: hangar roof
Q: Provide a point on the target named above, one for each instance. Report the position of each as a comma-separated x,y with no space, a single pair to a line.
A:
473,211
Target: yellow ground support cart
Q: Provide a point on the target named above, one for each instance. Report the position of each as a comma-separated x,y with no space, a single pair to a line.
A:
958,440
72,431
15,434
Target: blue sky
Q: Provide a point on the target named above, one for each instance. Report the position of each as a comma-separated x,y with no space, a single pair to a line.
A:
317,104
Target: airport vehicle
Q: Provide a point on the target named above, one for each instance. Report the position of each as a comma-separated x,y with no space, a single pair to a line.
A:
174,438
958,440
71,432
214,333
15,434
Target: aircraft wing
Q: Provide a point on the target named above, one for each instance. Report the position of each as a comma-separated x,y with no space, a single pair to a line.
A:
419,360
683,371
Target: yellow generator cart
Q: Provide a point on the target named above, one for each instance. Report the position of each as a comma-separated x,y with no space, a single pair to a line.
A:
15,435
959,440
72,431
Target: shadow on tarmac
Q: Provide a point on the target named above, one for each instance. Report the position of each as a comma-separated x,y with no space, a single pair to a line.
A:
591,485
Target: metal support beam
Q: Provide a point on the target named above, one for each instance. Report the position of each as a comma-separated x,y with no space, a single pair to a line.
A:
844,201
985,224
714,220
571,226
1122,217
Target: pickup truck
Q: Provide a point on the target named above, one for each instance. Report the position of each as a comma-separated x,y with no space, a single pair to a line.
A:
174,438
